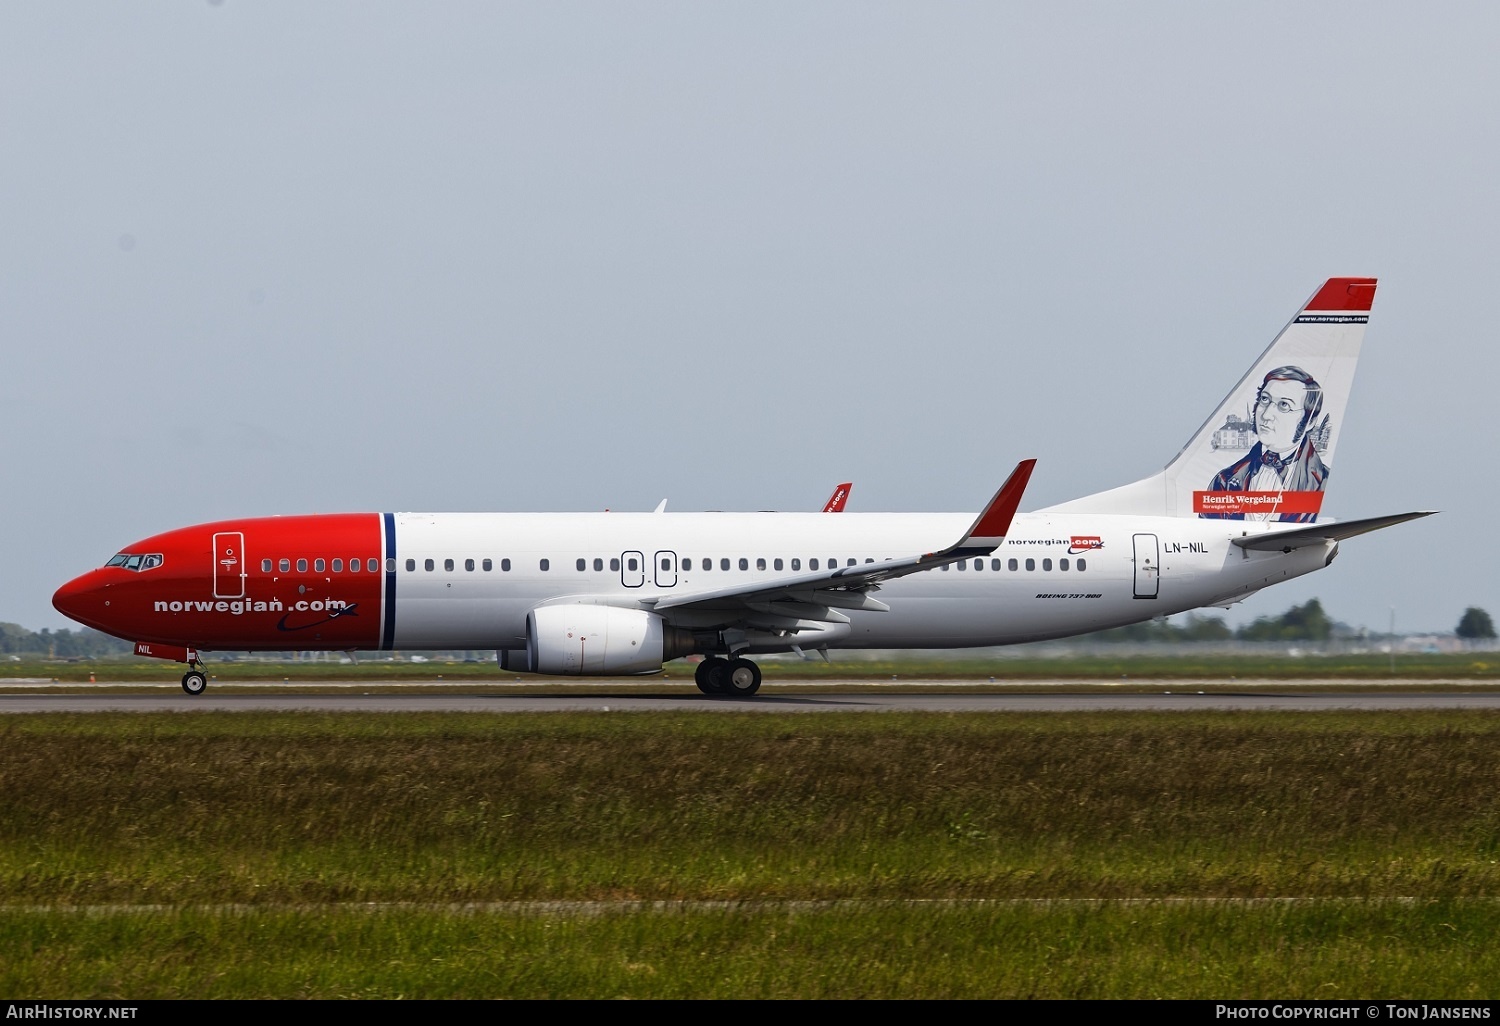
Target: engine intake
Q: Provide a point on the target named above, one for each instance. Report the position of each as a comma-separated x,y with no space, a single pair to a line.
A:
592,640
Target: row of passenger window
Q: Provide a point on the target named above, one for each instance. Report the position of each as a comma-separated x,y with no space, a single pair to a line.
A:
323,566
1014,564
632,564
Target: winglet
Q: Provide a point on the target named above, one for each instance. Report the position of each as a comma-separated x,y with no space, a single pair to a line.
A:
992,525
835,503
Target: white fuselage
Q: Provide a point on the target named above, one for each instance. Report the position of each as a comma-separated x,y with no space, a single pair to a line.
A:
1055,574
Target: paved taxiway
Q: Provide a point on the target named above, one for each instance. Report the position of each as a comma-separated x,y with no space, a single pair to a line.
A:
907,697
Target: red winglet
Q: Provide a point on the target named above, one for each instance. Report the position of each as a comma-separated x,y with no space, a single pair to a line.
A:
835,503
996,518
1344,294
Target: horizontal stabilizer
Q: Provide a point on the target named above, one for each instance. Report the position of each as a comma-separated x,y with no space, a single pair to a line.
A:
1300,537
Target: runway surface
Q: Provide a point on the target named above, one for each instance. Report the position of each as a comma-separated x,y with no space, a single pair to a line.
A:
908,697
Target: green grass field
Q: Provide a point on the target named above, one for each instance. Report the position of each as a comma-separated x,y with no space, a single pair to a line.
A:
750,855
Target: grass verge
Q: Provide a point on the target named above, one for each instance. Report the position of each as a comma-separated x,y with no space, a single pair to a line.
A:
892,855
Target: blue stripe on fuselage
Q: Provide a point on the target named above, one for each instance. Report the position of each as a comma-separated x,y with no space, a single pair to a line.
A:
388,631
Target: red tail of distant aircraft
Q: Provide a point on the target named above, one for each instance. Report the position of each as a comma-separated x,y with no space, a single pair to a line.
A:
840,496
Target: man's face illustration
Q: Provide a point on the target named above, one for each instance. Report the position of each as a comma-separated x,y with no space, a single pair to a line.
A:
1278,413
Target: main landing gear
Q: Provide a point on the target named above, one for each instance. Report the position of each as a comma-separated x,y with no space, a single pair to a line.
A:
719,676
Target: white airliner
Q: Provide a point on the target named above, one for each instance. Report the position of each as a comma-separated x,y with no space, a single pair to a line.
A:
1235,511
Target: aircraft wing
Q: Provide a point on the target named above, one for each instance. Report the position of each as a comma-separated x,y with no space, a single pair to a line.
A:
1317,534
779,603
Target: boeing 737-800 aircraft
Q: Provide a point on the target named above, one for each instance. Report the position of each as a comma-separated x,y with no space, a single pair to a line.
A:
1238,509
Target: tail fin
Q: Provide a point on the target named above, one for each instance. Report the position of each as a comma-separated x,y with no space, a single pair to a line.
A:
1266,453
835,503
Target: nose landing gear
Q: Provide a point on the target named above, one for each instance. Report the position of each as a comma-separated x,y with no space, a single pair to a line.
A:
195,681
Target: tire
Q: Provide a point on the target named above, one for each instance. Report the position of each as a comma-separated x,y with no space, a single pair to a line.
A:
712,675
194,682
743,678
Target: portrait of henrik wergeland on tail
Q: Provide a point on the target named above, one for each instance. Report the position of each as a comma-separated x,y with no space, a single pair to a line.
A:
1285,456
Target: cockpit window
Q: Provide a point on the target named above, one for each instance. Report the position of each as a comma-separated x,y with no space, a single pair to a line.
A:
136,561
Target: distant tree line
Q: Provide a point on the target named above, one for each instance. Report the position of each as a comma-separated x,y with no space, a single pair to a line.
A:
1196,628
63,644
1307,622
1475,624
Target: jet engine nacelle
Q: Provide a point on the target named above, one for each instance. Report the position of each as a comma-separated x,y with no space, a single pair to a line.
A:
591,640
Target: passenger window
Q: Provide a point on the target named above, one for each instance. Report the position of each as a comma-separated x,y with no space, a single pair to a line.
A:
777,563
1012,565
505,566
428,565
285,565
1046,564
390,565
797,564
338,566
687,564
962,564
374,565
614,565
598,563
1031,564
724,564
448,564
744,563
302,566
487,565
469,565
666,564
994,564
1062,564
1082,565
583,564
319,565
760,563
851,561
546,564
265,566
411,565
632,564
812,564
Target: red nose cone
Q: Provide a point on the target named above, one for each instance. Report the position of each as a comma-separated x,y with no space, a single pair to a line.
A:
80,600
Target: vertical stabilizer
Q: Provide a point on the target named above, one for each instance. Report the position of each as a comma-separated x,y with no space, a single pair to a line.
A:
1267,452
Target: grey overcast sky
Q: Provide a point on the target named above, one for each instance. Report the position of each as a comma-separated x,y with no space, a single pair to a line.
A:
286,257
